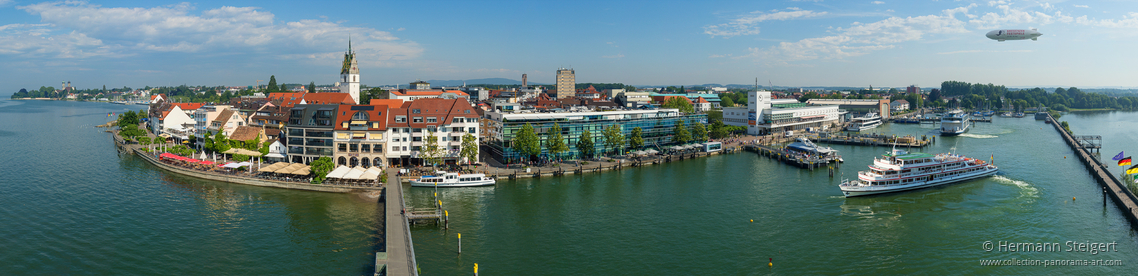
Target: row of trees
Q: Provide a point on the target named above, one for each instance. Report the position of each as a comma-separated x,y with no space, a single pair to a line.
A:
529,145
978,95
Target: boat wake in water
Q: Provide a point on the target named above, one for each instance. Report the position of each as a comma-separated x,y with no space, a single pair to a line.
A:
1026,189
978,136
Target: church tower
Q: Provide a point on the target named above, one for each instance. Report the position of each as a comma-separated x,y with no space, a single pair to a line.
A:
350,75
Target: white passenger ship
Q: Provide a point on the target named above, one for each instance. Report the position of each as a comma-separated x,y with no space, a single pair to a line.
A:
954,123
869,121
902,171
443,179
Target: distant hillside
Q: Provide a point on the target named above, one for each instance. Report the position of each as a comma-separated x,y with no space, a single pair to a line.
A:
502,81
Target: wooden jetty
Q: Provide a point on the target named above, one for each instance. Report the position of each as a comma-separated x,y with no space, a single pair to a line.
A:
790,158
877,140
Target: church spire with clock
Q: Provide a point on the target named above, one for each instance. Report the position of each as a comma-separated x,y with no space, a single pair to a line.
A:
350,75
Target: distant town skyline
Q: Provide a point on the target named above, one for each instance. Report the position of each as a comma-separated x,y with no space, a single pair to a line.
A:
787,43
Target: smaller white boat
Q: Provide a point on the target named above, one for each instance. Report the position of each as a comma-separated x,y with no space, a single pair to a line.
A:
869,121
443,179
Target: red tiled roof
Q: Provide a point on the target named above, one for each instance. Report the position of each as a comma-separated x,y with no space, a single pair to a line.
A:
286,99
328,98
189,106
701,100
404,92
379,113
386,102
443,109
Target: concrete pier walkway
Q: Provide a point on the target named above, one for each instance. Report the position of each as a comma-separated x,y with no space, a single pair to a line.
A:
400,256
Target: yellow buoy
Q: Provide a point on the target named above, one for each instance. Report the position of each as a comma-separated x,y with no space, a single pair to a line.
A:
771,263
1072,198
752,220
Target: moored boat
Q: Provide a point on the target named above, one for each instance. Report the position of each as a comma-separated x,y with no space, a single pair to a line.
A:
868,121
898,171
443,179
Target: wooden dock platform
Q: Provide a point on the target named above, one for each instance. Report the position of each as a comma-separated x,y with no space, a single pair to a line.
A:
877,140
791,158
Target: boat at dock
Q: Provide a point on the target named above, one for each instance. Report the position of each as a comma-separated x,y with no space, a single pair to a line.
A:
443,179
868,121
954,123
1019,115
898,171
803,145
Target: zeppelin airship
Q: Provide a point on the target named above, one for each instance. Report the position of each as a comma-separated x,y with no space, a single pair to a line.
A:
1002,35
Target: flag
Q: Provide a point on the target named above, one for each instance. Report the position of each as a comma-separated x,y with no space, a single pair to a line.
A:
1119,156
1132,170
1124,161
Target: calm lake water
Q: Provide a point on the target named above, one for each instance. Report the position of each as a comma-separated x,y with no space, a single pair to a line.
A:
70,204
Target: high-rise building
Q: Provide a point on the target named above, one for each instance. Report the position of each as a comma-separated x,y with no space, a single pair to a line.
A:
524,83
350,74
566,83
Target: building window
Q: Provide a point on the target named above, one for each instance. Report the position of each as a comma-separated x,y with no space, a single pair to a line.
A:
360,116
400,119
456,120
394,148
417,120
416,111
416,148
432,120
343,147
416,139
404,148
365,148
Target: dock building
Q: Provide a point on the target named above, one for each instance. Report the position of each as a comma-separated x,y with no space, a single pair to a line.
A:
764,115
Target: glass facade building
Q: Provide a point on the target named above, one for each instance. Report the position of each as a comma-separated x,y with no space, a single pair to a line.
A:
657,127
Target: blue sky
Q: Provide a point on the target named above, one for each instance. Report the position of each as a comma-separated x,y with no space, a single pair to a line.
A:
788,43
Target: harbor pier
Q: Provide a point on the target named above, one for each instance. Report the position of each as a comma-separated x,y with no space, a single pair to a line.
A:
1119,193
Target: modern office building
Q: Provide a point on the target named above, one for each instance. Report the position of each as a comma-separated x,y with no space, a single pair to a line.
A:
566,83
657,126
763,115
309,132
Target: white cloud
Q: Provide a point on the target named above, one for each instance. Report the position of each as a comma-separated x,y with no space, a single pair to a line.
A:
863,38
1081,6
877,2
94,30
748,25
5,2
614,56
983,51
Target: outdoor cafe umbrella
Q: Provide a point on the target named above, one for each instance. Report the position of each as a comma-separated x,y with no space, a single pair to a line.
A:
339,172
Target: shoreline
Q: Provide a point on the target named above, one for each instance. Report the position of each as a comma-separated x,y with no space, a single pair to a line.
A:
232,179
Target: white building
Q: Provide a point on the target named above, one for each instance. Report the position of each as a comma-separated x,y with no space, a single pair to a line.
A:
763,115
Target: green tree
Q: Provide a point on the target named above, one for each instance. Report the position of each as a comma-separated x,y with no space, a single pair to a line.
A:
636,138
372,93
585,145
311,87
273,84
469,148
699,132
719,130
220,143
681,134
555,142
614,139
320,169
526,142
679,103
431,151
726,102
144,140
